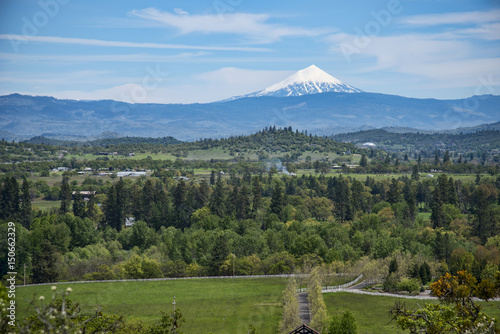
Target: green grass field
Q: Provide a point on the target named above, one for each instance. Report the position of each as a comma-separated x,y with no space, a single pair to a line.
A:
45,205
372,312
208,305
137,156
221,305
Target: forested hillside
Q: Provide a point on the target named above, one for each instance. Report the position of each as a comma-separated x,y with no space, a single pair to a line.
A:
487,140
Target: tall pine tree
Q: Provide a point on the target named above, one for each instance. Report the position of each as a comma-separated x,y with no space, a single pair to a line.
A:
10,199
257,196
217,202
79,206
65,196
277,201
25,204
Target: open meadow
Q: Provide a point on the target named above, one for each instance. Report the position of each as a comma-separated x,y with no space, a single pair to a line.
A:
372,312
207,305
221,305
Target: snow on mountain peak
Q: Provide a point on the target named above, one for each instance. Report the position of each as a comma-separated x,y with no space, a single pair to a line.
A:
310,74
310,80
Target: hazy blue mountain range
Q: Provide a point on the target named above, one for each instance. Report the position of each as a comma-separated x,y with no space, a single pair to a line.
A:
309,99
34,115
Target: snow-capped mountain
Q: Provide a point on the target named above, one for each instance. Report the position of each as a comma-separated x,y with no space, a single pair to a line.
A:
311,80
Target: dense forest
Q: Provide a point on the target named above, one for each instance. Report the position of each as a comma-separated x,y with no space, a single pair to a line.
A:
271,224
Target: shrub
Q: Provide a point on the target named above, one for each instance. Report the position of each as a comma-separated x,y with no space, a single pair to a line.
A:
409,285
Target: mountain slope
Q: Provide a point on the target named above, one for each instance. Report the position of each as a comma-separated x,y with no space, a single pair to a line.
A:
29,115
311,80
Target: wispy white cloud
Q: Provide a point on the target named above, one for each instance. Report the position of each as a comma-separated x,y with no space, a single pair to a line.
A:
475,17
180,11
460,50
97,42
253,79
255,27
142,57
489,32
209,86
66,79
478,24
447,63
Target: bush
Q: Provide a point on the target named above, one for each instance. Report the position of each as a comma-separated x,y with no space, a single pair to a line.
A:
103,273
409,285
391,284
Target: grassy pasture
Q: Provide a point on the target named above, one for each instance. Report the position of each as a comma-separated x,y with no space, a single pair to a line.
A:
208,305
372,312
45,205
222,305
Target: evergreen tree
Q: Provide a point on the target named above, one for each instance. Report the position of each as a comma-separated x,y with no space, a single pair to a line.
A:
451,193
363,162
243,203
393,266
45,263
414,173
394,192
25,204
342,199
212,177
486,223
411,200
79,206
277,201
436,159
446,157
162,211
10,199
257,196
180,204
424,273
65,196
121,199
437,212
220,252
357,200
440,197
148,199
114,217
217,202
92,209
443,246
201,195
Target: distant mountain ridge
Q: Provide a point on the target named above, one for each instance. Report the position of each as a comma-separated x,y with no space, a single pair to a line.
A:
27,116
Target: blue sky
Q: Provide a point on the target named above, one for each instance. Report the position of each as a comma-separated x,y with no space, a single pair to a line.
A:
201,51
